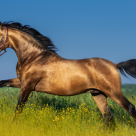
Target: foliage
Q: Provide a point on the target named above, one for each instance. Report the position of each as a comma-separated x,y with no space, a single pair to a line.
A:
46,114
129,89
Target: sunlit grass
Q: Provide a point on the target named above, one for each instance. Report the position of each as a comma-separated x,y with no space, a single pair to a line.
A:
65,116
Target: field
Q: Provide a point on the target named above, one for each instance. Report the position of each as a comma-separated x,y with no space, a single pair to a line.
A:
52,115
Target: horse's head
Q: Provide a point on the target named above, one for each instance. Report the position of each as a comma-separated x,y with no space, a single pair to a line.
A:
3,38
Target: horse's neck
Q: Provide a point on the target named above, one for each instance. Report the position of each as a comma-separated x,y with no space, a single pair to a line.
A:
24,45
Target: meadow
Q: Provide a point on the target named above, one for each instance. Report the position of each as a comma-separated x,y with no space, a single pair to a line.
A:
50,115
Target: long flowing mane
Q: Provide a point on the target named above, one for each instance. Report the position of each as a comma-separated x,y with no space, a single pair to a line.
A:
43,40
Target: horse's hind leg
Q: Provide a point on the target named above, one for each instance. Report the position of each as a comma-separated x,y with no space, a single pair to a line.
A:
101,101
124,103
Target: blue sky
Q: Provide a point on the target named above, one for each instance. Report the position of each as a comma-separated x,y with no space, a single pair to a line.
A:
78,28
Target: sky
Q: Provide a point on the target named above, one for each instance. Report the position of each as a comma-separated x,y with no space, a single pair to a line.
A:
78,28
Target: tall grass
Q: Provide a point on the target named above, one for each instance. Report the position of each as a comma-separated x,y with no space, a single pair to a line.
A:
52,115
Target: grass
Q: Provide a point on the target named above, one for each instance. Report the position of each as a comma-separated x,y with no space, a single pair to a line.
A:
51,115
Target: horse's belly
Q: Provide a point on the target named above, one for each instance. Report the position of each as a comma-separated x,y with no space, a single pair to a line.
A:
69,85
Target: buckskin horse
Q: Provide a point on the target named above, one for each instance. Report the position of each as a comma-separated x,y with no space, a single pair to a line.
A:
40,68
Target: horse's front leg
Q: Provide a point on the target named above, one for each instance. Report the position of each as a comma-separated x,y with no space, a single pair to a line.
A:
27,86
15,82
23,96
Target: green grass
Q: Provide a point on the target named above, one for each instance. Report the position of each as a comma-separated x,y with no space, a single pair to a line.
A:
52,115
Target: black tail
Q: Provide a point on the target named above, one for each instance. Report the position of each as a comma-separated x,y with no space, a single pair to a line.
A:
128,66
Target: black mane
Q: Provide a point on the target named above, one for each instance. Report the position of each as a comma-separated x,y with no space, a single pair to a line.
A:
43,40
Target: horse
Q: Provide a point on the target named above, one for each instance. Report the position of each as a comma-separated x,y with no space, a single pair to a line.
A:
40,68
